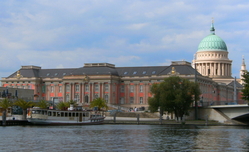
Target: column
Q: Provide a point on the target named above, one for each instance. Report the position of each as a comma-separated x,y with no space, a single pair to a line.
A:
145,93
72,91
219,69
223,67
83,92
91,91
201,68
215,69
206,69
109,93
211,69
127,93
64,92
80,92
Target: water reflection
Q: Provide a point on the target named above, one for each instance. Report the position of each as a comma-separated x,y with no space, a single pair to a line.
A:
124,138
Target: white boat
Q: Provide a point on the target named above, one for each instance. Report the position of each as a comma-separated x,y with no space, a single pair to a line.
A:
59,117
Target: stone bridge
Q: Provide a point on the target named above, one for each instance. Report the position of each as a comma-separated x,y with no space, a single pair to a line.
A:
228,114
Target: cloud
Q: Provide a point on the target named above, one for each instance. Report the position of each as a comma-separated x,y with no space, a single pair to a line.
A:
60,33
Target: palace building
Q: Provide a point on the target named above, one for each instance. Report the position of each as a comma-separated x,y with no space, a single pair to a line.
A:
130,86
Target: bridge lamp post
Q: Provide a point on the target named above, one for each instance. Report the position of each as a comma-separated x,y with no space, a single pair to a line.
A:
196,105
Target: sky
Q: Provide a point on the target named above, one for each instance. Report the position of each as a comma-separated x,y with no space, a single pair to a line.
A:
69,33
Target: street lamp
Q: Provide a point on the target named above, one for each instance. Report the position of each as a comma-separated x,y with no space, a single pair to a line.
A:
196,105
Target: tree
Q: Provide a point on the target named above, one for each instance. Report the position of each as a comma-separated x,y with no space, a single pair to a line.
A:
72,102
24,105
62,105
43,104
174,94
245,90
5,104
98,102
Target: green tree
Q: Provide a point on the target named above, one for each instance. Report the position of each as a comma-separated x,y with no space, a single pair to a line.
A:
99,102
24,105
5,104
72,102
43,104
245,90
174,94
62,105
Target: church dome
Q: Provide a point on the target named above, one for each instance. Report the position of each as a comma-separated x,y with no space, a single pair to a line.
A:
212,42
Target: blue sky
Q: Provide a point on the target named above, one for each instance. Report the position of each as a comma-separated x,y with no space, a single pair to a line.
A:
67,34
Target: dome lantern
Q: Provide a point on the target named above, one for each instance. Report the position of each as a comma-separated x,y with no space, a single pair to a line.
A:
212,42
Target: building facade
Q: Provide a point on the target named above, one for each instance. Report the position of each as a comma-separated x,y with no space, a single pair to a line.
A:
130,86
122,86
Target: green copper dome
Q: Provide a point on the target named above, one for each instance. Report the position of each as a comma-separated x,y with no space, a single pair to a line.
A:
212,42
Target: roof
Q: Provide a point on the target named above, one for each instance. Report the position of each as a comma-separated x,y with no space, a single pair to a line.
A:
212,42
238,85
105,70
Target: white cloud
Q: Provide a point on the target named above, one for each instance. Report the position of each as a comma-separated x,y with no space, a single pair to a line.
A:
60,33
137,26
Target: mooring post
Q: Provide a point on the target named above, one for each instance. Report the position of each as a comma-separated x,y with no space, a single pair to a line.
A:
114,118
138,119
206,120
4,118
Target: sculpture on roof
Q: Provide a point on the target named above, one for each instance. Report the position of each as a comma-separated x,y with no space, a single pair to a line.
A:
173,72
18,74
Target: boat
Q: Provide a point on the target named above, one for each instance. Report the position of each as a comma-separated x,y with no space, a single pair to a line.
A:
39,116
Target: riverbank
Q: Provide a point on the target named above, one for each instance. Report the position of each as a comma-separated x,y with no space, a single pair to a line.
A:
140,121
155,121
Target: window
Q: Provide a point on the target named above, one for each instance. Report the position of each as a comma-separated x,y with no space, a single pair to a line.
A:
131,88
141,88
122,88
87,87
106,87
141,100
135,72
48,74
96,96
131,99
67,88
52,88
96,87
60,88
43,88
144,72
106,98
125,73
67,97
86,99
55,74
153,72
77,97
122,100
64,73
77,88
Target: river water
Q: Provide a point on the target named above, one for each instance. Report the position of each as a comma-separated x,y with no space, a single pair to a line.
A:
124,138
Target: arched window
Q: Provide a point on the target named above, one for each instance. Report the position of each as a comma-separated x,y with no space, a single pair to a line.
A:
106,98
86,99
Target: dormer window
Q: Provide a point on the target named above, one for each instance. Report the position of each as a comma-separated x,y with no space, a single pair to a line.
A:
55,74
48,74
153,72
144,72
135,72
64,73
125,73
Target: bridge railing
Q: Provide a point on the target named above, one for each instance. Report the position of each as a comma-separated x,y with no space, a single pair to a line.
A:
212,103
